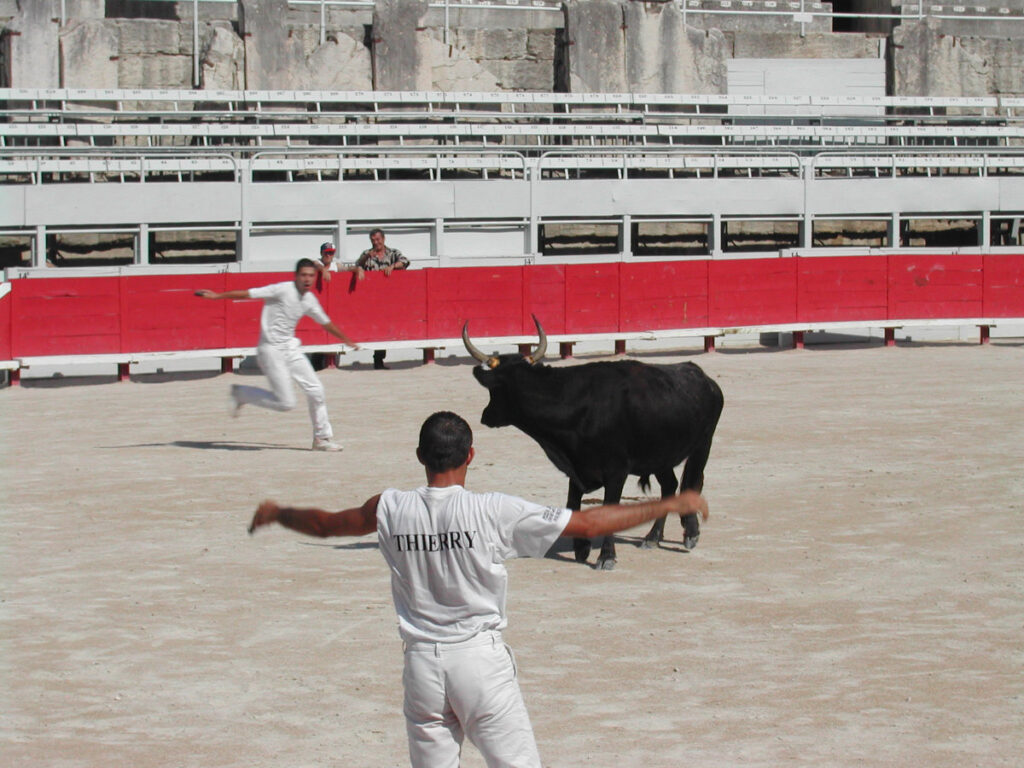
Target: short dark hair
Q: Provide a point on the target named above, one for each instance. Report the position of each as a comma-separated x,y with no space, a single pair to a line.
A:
376,231
304,263
445,440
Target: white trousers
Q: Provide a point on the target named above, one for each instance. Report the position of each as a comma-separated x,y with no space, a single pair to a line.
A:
281,364
462,689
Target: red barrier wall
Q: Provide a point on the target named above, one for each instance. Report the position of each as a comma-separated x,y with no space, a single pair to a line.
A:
93,315
5,327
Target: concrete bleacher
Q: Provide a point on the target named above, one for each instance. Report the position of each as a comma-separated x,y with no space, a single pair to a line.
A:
243,121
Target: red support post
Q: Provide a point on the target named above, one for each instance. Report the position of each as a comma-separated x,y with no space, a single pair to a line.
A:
565,349
709,343
227,364
428,355
15,377
983,334
620,346
890,337
123,371
798,339
524,349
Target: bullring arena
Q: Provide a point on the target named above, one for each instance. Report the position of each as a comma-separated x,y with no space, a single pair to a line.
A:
856,597
820,203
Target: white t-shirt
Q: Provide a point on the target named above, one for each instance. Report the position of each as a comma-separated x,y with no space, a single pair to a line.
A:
283,307
446,547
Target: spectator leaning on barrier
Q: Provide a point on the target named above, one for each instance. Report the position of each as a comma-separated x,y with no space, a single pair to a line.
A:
378,257
325,265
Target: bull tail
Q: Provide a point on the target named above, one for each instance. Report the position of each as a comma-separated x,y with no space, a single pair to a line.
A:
645,483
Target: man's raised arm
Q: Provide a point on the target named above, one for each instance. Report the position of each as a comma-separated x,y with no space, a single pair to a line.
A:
606,520
357,521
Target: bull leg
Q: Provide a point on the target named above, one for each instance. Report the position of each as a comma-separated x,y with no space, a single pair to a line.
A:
612,495
693,480
667,482
580,547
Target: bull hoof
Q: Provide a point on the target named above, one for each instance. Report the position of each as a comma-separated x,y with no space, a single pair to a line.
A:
581,552
691,531
649,544
605,565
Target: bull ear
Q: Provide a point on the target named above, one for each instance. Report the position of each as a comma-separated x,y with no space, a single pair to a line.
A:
542,344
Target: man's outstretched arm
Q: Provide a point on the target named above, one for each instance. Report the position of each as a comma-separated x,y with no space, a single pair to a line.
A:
606,520
236,294
357,521
339,334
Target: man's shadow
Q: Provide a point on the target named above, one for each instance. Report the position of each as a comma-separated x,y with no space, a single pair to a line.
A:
216,445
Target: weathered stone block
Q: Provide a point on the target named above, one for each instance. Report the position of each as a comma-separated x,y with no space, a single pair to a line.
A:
222,65
540,44
151,37
451,70
752,45
31,48
523,75
400,60
481,44
154,72
270,51
928,63
597,53
341,64
89,54
664,55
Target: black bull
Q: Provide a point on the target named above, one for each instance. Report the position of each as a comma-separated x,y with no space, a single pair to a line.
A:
601,422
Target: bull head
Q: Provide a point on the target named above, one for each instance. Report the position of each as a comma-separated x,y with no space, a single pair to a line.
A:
502,376
493,361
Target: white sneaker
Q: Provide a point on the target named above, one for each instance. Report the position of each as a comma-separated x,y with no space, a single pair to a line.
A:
324,444
234,404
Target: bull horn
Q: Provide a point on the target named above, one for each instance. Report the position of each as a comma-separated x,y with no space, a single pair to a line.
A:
470,347
542,344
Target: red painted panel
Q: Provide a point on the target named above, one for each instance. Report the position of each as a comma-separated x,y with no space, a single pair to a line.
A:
544,296
752,292
930,286
1004,285
490,298
65,316
161,313
664,295
5,327
592,298
379,306
842,288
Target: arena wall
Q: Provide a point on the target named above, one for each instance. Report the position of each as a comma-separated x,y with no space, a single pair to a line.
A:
158,313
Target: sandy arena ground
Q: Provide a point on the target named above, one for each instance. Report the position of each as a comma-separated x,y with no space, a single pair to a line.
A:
857,598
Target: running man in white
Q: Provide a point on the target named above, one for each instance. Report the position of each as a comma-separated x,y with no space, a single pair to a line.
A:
445,547
280,353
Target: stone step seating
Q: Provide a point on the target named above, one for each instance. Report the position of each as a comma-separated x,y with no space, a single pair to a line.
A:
527,136
175,133
567,163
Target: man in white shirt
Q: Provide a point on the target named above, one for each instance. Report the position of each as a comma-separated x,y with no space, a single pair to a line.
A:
445,547
280,353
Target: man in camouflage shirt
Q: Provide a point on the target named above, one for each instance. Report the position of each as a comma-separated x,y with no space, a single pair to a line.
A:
379,258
